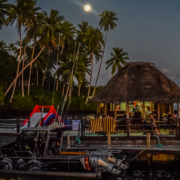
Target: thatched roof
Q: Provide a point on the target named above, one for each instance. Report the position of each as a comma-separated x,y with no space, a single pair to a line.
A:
139,81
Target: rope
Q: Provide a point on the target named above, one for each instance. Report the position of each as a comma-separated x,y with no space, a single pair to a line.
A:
137,155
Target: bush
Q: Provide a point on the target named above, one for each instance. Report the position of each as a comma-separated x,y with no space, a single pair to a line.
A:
22,103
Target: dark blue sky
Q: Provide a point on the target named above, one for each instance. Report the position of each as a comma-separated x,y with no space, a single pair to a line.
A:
149,30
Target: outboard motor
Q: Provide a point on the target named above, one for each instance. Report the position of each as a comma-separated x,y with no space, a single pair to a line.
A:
103,161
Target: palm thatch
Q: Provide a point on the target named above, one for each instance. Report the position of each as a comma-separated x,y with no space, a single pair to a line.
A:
139,81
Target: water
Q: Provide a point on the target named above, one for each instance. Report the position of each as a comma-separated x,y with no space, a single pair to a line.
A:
137,171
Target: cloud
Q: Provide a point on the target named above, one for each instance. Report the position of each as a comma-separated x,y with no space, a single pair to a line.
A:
164,70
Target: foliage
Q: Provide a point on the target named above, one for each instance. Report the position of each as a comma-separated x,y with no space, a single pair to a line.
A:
118,59
1,96
55,55
22,103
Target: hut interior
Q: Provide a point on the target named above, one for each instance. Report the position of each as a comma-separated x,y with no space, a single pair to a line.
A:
119,111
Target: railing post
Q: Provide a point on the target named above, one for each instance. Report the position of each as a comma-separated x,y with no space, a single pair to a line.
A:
128,127
18,126
152,132
148,140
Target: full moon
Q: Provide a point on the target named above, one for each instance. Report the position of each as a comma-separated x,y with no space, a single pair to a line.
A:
87,7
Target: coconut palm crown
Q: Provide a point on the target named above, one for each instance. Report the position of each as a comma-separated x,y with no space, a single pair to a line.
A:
118,60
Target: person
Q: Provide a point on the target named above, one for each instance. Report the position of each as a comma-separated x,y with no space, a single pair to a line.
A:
154,125
170,119
148,111
145,123
135,109
171,122
137,116
167,114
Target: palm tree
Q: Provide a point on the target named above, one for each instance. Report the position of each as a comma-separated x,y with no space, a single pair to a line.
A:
106,22
94,41
24,46
51,26
3,46
48,37
3,11
81,70
12,48
67,32
32,32
83,28
20,12
118,59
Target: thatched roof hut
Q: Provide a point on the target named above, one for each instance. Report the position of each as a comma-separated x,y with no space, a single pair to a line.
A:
139,81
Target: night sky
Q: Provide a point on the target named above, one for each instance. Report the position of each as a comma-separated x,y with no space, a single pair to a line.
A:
149,30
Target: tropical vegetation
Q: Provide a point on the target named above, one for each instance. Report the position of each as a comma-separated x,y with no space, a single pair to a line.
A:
51,62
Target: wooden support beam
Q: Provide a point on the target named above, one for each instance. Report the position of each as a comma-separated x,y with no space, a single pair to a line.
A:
105,109
178,110
144,113
127,110
151,106
170,108
148,138
115,113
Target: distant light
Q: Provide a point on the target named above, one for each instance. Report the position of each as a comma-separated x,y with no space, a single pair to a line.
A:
87,7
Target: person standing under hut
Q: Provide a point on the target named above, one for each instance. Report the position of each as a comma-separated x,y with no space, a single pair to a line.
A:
171,123
154,125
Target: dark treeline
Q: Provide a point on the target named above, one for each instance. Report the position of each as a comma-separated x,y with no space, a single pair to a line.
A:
53,59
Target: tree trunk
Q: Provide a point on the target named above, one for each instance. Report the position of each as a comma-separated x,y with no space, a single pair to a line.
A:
100,65
37,80
90,78
29,82
79,91
44,77
63,90
23,70
17,67
57,81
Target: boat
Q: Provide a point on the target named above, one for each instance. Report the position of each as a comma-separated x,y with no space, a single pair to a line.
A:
38,151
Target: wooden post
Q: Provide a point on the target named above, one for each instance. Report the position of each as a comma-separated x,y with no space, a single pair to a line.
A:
115,113
158,111
152,128
109,139
105,109
148,140
127,118
170,108
97,109
149,159
144,113
151,106
127,109
68,141
18,126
